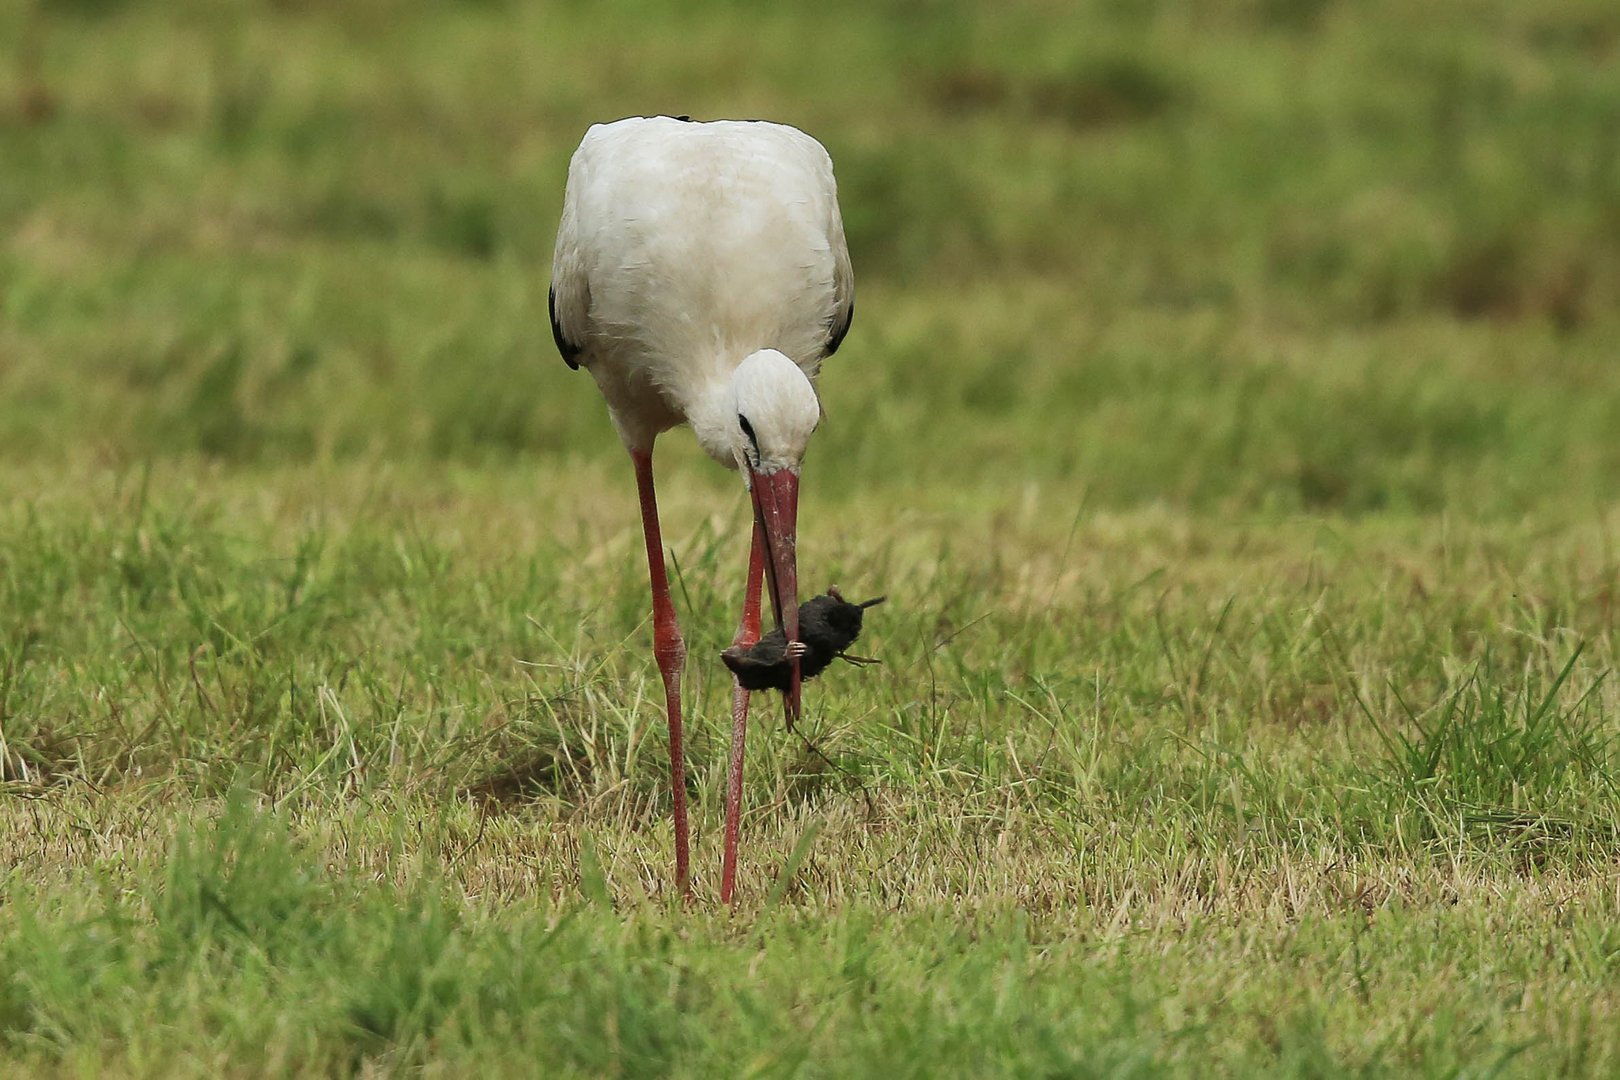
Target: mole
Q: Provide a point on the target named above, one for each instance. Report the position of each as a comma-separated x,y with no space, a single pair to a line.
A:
828,624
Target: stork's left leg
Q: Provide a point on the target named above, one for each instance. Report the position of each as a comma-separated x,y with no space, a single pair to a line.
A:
747,634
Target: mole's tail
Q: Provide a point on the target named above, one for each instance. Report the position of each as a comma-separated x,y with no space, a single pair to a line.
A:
874,602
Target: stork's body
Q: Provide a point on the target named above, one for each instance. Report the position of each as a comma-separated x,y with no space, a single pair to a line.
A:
701,276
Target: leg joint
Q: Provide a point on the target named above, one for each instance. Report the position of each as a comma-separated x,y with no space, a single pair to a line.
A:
668,646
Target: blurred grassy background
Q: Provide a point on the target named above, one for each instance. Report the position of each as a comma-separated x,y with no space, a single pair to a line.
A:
1253,254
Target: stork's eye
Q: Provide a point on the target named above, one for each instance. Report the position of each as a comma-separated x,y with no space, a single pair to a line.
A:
748,430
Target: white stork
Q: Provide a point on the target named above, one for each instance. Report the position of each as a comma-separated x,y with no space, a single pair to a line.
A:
701,276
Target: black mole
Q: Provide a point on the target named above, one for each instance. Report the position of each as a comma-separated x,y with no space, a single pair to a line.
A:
828,624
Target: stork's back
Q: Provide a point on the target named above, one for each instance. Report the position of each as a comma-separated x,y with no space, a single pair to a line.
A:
686,246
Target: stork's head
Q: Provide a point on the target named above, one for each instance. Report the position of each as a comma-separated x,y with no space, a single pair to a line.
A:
776,412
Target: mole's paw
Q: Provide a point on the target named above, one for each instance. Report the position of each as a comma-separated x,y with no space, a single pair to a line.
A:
797,650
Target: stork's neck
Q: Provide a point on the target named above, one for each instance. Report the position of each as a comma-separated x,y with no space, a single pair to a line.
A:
712,412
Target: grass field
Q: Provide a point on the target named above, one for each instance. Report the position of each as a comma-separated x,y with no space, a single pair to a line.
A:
1230,417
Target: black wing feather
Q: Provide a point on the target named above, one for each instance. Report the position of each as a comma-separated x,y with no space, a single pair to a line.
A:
570,350
836,332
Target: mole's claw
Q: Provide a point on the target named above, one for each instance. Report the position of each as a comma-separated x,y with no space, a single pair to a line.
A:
797,650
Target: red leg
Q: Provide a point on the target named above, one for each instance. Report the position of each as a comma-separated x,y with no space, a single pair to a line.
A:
747,634
670,652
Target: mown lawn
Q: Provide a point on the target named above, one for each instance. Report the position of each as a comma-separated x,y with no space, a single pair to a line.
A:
1230,418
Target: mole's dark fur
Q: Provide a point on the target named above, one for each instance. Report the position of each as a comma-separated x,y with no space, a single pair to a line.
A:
828,624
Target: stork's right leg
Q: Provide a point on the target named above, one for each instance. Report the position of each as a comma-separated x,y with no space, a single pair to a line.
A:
670,652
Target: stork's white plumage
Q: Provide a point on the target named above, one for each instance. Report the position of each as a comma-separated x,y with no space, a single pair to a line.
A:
701,276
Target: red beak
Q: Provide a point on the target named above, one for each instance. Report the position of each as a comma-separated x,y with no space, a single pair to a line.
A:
776,508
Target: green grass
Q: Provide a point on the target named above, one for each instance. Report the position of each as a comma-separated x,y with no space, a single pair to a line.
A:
1230,419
